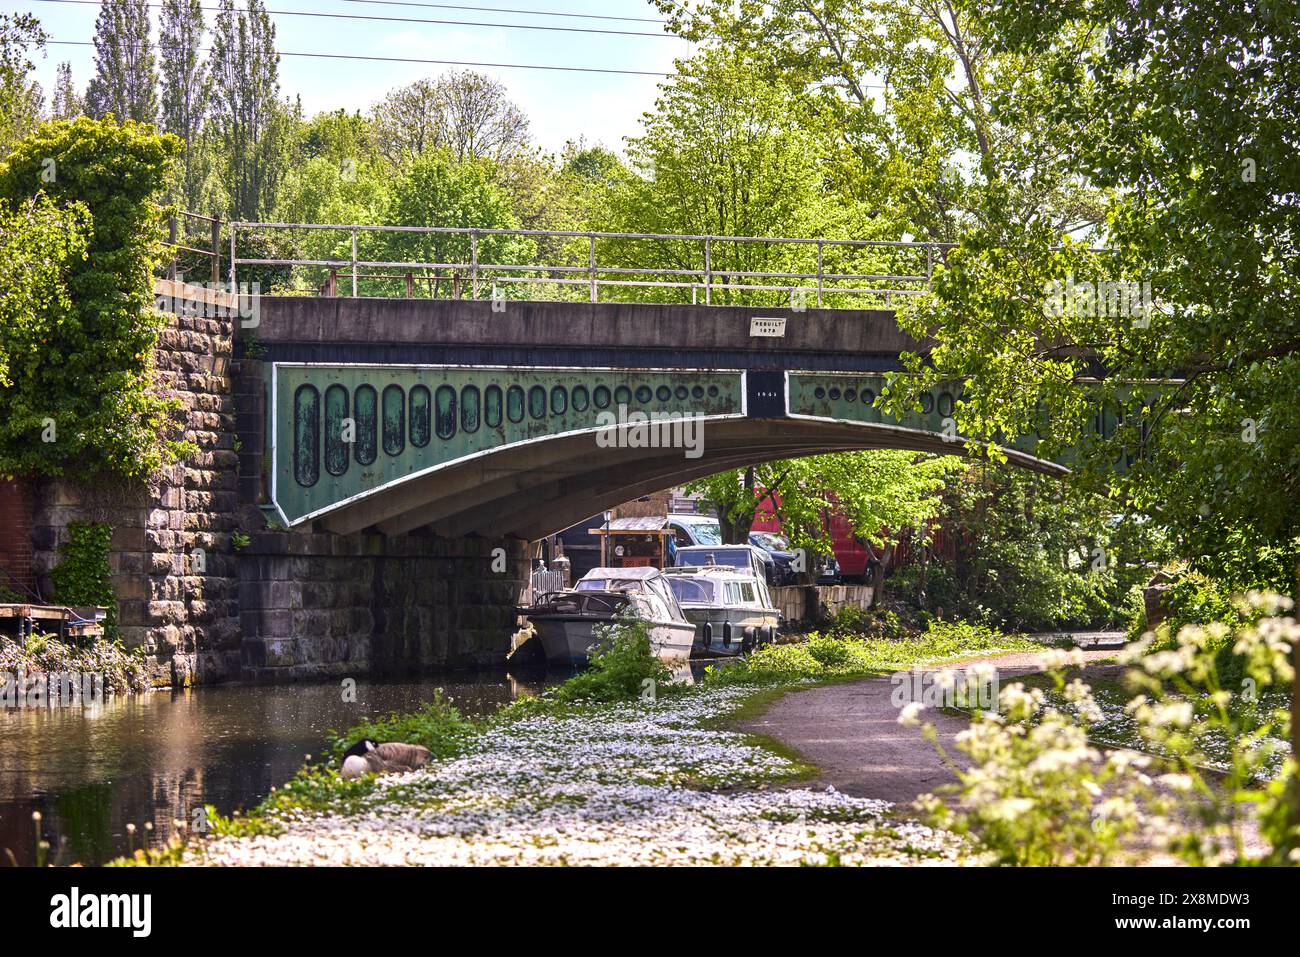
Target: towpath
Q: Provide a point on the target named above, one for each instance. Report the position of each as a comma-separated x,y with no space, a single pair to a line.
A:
851,732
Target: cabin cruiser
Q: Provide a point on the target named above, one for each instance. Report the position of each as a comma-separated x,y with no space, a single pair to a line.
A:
731,609
565,620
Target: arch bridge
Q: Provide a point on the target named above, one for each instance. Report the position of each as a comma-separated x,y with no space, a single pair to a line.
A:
462,418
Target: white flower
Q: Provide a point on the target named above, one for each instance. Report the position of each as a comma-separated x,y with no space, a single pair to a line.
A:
1177,782
910,715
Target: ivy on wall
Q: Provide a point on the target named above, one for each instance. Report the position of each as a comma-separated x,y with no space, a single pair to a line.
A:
76,350
82,575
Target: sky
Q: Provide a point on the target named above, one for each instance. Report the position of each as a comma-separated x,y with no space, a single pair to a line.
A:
604,108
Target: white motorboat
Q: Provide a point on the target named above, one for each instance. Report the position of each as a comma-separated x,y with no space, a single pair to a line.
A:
565,620
731,609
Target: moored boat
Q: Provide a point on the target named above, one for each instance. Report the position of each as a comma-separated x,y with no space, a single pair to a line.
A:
732,610
565,621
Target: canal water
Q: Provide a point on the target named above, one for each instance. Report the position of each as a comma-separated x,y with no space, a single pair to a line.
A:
157,757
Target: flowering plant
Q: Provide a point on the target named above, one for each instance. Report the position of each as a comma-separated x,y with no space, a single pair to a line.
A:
1039,790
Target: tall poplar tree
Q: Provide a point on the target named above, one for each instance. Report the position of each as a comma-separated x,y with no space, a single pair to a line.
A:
126,77
20,97
247,122
66,102
184,87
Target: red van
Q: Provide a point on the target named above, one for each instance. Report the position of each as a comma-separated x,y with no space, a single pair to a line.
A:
851,553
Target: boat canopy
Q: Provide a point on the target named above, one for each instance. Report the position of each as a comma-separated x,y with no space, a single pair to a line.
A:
622,573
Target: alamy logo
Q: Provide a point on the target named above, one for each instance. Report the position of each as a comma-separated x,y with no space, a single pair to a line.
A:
214,300
66,689
973,687
658,430
1126,297
102,910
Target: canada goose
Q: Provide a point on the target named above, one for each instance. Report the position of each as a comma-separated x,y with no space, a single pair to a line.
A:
366,757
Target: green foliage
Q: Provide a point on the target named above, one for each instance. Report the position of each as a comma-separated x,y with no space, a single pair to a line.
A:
20,97
1040,792
723,154
437,726
1197,171
1030,553
877,491
83,356
902,94
1194,599
82,575
619,670
249,129
314,788
125,83
438,191
39,244
850,621
122,670
823,656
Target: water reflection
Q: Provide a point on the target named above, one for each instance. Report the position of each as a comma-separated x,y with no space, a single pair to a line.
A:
158,757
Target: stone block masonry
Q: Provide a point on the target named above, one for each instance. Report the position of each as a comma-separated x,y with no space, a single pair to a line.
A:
290,606
171,559
316,606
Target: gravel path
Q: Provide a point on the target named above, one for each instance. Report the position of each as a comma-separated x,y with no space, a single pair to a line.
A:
851,732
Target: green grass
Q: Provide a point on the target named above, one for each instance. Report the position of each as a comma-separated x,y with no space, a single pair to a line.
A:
825,658
437,726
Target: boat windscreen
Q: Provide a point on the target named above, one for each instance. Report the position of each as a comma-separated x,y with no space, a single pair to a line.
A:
730,557
695,590
600,605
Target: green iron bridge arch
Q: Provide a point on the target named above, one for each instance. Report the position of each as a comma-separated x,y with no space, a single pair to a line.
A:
500,451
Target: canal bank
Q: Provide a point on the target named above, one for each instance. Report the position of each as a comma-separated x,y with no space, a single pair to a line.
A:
148,760
667,778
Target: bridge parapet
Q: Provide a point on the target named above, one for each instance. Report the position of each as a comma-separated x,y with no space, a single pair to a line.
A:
448,261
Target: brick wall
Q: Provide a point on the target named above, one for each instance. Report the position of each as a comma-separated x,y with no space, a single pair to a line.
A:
16,560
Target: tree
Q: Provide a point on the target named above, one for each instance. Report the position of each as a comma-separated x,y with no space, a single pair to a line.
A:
248,125
20,97
1030,552
126,81
877,491
463,112
903,88
723,155
437,191
77,346
184,87
66,103
1186,115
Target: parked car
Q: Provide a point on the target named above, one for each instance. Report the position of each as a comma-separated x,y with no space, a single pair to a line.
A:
780,556
695,530
824,571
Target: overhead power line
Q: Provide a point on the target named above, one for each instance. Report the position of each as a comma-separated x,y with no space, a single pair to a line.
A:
531,13
445,23
391,59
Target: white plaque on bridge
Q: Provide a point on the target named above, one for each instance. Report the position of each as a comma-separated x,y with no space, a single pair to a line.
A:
767,326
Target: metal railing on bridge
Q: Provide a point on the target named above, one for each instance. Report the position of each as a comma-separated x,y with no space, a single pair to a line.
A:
461,262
